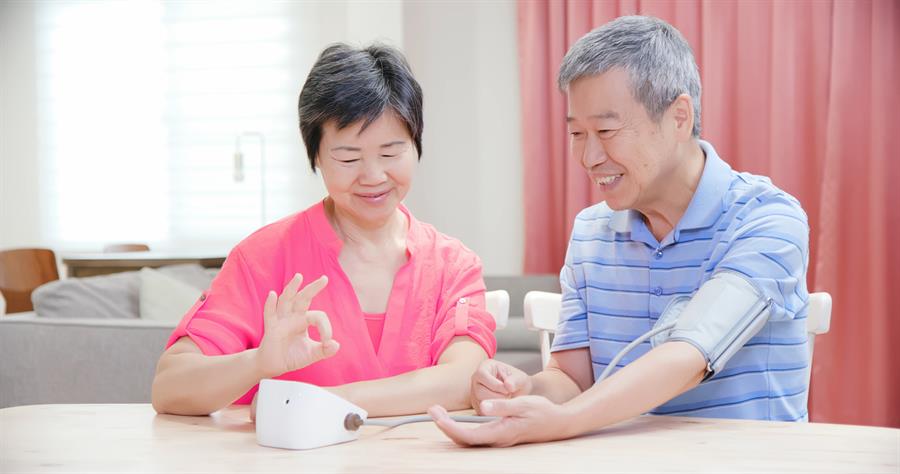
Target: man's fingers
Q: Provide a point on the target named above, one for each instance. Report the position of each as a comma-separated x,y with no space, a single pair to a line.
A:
305,296
505,407
480,435
269,309
480,393
320,320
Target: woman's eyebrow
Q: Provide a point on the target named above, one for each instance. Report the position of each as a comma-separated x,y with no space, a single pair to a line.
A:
346,147
395,142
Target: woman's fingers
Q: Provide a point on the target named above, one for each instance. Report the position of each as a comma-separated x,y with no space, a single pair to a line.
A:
286,300
330,348
269,316
320,320
305,296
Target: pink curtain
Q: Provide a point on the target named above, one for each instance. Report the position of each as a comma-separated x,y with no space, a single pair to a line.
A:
801,91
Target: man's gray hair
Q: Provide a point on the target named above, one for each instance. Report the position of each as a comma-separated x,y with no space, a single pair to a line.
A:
658,59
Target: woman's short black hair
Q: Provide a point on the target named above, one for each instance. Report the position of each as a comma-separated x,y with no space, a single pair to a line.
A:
348,84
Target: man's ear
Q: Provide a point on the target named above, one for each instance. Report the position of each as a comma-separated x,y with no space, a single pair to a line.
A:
681,112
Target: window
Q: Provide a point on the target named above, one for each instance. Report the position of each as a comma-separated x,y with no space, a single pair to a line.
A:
139,106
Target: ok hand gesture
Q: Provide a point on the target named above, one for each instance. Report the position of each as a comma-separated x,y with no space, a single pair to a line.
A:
286,345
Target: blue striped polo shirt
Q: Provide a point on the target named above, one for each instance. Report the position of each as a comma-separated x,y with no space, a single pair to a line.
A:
618,278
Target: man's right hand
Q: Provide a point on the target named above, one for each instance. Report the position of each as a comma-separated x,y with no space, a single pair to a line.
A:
494,379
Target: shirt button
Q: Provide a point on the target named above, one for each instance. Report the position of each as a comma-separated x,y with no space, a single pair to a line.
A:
202,296
657,291
658,254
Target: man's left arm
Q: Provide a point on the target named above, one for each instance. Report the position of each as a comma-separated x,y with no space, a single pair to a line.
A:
767,254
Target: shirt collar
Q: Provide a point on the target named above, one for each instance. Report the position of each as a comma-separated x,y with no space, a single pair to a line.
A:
705,206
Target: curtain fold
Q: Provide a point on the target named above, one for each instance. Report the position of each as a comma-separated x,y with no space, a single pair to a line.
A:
800,91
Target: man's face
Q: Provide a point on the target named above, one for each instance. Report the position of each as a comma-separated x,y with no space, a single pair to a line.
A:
623,151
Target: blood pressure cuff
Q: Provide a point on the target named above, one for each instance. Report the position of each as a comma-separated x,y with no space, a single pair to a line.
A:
718,320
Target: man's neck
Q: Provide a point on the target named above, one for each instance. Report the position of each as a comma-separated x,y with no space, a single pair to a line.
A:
675,194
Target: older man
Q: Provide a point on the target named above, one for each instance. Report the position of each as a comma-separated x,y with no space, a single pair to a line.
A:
713,259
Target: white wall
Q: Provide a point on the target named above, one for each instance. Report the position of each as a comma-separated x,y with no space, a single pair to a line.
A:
19,190
469,184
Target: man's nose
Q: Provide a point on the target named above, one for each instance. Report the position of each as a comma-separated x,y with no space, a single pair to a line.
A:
594,153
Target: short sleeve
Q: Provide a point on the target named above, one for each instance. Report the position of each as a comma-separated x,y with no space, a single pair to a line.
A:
461,308
572,330
771,249
228,316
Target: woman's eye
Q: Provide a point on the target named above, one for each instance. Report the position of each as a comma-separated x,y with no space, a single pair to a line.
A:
576,134
388,156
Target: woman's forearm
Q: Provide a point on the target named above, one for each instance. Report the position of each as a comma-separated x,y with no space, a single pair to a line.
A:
445,384
190,383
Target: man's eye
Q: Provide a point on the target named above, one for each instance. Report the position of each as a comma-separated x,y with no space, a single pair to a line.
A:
576,134
388,156
605,132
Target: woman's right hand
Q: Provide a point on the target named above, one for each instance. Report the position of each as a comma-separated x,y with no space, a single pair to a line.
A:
286,345
494,379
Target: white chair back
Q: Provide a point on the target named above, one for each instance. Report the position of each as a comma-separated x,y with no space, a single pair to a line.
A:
542,314
497,303
818,322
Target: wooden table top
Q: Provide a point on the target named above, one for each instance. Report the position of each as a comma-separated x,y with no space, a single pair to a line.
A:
132,437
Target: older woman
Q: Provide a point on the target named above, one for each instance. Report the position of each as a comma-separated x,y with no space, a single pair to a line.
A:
392,315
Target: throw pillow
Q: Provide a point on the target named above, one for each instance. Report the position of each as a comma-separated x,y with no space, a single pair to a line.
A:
105,296
163,297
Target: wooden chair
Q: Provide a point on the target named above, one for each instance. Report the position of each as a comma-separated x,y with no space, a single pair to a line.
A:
23,270
116,248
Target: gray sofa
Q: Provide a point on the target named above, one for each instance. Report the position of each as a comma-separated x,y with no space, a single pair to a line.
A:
92,360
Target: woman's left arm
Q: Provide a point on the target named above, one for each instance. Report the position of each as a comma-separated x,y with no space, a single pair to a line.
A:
446,384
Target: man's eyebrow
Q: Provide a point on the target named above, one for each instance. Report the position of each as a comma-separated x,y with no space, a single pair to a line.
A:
604,115
395,142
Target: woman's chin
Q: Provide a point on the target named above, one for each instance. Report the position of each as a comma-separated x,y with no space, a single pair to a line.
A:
375,212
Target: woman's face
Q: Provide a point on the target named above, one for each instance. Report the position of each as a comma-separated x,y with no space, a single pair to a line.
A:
367,172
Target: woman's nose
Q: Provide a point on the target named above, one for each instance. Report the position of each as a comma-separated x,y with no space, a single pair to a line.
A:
372,172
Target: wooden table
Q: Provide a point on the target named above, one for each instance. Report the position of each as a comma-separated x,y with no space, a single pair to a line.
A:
90,264
118,438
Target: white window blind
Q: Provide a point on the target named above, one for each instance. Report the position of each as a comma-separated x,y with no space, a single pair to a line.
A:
139,105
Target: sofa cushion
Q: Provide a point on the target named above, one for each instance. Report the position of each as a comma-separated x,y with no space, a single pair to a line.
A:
163,297
103,297
190,273
108,296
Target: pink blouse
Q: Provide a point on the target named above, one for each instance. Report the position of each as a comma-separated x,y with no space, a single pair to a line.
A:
437,295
